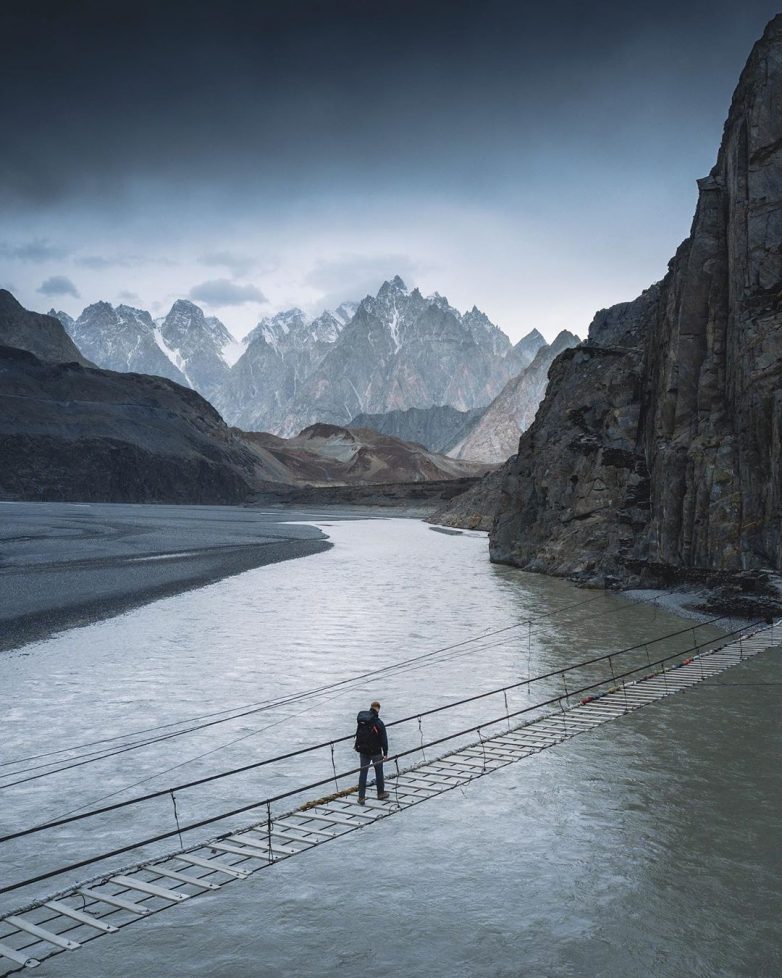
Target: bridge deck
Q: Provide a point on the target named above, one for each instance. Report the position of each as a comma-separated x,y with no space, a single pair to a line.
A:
88,911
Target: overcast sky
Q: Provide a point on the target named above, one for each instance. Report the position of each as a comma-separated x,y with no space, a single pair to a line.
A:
537,161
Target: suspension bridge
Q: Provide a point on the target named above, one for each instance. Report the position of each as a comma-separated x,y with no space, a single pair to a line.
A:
569,702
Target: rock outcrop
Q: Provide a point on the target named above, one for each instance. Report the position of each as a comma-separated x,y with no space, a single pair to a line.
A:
495,435
658,449
437,428
121,338
41,335
69,432
325,454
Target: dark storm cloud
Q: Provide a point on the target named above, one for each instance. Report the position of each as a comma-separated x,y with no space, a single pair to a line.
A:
224,292
37,251
308,97
58,285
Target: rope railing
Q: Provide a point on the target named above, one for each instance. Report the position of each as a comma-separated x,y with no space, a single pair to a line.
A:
472,729
56,823
248,709
289,755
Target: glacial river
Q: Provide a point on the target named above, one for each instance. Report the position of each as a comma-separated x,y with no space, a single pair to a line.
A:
648,847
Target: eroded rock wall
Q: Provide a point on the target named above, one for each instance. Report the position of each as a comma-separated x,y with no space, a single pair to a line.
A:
659,444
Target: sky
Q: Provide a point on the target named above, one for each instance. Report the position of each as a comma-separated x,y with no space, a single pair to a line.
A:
538,161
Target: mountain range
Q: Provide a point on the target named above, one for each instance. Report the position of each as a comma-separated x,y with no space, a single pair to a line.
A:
364,364
72,431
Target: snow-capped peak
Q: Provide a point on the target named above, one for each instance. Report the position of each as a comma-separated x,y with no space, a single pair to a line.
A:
392,286
345,311
275,329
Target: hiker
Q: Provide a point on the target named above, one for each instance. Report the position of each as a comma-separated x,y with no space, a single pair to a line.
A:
372,746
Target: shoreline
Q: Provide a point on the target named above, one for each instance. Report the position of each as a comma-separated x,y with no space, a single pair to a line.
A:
703,604
66,565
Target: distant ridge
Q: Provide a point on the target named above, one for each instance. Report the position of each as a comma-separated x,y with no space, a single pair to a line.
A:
392,351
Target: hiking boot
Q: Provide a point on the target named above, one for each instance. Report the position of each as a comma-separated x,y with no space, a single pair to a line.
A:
361,801
383,795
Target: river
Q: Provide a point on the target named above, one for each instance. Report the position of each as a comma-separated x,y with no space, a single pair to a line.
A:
646,847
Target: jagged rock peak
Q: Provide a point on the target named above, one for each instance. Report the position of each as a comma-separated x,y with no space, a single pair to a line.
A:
345,311
186,316
533,338
564,340
99,308
277,329
64,318
139,315
395,284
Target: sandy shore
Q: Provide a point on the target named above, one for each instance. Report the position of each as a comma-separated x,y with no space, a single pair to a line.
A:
66,564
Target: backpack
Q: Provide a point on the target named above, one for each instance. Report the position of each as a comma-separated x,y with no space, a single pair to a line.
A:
367,734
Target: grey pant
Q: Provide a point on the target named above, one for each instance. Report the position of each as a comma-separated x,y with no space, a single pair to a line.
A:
366,760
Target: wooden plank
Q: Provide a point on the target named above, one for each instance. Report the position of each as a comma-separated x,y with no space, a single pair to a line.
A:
45,935
246,851
335,819
183,877
115,901
214,865
287,828
424,787
18,957
248,840
154,889
81,916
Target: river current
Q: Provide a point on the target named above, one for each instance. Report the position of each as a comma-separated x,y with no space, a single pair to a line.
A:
649,846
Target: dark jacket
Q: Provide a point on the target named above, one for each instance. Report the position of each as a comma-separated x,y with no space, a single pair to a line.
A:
379,741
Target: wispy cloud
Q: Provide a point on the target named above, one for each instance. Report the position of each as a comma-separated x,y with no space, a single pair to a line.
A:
352,276
236,263
58,285
224,292
37,251
101,262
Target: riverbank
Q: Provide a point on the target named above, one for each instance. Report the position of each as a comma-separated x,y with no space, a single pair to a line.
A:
69,564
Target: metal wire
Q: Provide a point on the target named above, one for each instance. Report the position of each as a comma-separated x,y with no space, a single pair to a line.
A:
296,791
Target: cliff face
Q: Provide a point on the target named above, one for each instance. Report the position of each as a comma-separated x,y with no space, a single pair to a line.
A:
659,443
42,335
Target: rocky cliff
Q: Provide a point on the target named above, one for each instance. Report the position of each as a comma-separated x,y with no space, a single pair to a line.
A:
185,345
658,448
69,432
495,435
41,335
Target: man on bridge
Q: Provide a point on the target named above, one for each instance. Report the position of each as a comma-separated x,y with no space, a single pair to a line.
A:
372,746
